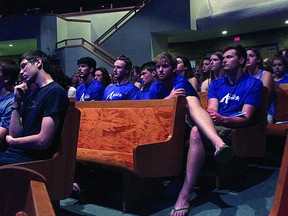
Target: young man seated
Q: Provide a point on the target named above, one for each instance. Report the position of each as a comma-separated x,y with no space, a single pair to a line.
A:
123,89
177,85
237,93
152,87
37,116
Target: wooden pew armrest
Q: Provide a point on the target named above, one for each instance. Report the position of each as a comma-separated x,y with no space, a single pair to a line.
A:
153,159
246,145
38,201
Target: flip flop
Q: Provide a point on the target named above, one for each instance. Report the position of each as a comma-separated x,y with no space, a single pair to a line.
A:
185,210
223,155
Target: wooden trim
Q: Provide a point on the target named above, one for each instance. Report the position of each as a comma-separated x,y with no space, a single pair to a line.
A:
280,203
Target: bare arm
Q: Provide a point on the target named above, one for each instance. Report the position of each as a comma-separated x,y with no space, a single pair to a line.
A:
3,133
204,86
268,81
231,122
41,140
194,83
176,92
15,122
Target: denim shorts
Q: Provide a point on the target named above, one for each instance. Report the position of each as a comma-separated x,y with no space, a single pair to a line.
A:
9,157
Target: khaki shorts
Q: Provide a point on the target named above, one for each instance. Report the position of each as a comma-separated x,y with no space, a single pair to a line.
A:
224,133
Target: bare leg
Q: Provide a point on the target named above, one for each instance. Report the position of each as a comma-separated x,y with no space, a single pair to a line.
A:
195,161
203,121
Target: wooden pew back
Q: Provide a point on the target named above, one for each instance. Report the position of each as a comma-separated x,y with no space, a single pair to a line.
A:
19,192
59,170
281,112
281,102
143,139
113,133
101,126
280,202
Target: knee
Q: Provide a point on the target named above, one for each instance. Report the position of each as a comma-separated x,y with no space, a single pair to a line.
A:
195,134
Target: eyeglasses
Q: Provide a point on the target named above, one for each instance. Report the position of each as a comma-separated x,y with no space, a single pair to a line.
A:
24,64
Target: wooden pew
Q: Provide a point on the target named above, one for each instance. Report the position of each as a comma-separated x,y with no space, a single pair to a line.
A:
59,170
23,192
143,139
281,111
280,203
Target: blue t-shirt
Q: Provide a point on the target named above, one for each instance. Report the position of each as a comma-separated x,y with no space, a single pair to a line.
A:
232,97
284,80
126,91
271,102
94,91
181,82
155,91
5,110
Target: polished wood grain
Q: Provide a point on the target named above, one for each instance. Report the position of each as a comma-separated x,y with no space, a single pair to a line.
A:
281,111
143,139
113,132
280,203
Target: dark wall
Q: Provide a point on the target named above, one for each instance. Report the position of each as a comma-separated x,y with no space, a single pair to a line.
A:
196,50
134,38
20,27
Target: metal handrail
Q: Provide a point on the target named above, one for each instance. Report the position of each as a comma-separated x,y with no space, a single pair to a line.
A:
83,43
135,10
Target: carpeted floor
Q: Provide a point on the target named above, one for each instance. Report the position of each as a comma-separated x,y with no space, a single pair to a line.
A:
250,195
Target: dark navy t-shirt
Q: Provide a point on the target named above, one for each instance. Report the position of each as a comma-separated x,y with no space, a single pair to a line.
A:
48,101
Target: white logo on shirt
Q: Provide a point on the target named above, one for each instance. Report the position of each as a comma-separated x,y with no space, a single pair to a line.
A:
228,97
84,97
113,94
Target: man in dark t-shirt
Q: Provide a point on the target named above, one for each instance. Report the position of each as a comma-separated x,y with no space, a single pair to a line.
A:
37,117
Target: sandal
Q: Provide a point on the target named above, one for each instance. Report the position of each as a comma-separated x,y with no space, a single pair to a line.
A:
223,155
180,211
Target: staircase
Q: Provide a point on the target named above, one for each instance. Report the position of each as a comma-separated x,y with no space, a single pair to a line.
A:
93,49
121,22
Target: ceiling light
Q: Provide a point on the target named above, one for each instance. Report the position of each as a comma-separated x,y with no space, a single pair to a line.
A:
224,32
286,22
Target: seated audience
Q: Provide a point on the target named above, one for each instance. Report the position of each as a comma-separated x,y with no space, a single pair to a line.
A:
254,67
184,69
76,80
123,89
237,92
102,75
9,72
267,65
135,76
279,66
59,76
199,76
205,66
152,87
216,70
179,86
36,119
90,89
